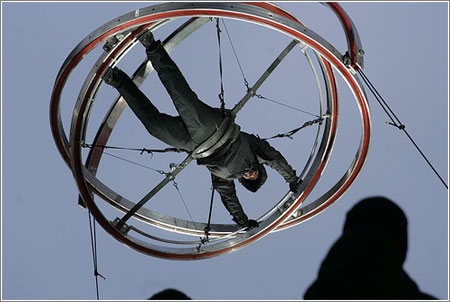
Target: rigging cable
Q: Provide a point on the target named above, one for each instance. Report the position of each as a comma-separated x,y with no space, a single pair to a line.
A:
395,121
285,105
93,234
235,55
208,226
130,161
142,150
290,133
175,184
143,166
221,94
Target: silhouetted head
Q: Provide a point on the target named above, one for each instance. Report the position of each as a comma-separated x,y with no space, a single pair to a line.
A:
254,178
366,262
383,223
169,294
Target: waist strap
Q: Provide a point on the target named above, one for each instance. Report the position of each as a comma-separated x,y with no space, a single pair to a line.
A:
226,134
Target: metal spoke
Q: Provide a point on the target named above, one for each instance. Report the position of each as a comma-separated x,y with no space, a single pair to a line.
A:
165,181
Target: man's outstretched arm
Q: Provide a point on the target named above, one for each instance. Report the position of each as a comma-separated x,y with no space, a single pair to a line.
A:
227,191
274,159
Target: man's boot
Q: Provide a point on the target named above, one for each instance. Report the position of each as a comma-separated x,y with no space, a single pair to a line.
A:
115,77
147,40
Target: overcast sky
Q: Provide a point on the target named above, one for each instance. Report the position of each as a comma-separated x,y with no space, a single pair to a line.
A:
45,235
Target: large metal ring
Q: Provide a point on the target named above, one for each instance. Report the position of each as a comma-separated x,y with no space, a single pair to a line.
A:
133,24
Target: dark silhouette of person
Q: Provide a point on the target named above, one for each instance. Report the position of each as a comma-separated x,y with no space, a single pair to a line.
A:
170,294
366,262
240,155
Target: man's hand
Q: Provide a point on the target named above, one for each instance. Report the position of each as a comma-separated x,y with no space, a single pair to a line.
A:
252,224
293,185
246,223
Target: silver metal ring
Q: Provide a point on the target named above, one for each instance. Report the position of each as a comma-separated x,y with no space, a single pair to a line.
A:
134,24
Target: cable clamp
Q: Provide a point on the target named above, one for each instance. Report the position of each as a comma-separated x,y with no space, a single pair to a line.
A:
121,226
112,42
96,273
145,150
399,127
206,238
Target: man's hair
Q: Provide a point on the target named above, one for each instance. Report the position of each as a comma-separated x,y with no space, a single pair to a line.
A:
254,185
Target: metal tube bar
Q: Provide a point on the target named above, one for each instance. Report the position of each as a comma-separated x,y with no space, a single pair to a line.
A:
165,181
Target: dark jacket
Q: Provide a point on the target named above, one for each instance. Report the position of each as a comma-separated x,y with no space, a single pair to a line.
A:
248,152
196,122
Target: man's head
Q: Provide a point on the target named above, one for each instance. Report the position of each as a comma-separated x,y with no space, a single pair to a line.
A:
253,179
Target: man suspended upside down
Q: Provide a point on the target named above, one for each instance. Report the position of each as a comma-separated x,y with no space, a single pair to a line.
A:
242,155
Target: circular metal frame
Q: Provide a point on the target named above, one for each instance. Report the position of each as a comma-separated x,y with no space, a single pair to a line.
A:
137,22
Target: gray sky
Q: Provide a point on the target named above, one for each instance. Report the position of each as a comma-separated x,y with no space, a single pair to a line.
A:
45,235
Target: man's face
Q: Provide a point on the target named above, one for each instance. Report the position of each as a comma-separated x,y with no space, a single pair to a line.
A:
251,175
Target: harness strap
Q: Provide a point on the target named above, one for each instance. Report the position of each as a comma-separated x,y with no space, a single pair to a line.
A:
222,91
226,134
290,133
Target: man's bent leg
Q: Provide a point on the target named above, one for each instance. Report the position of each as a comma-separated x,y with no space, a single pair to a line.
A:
169,129
200,119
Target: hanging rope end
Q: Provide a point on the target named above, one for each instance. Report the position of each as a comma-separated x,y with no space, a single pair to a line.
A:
97,274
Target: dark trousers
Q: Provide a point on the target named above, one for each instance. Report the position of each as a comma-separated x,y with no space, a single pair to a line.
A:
196,121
